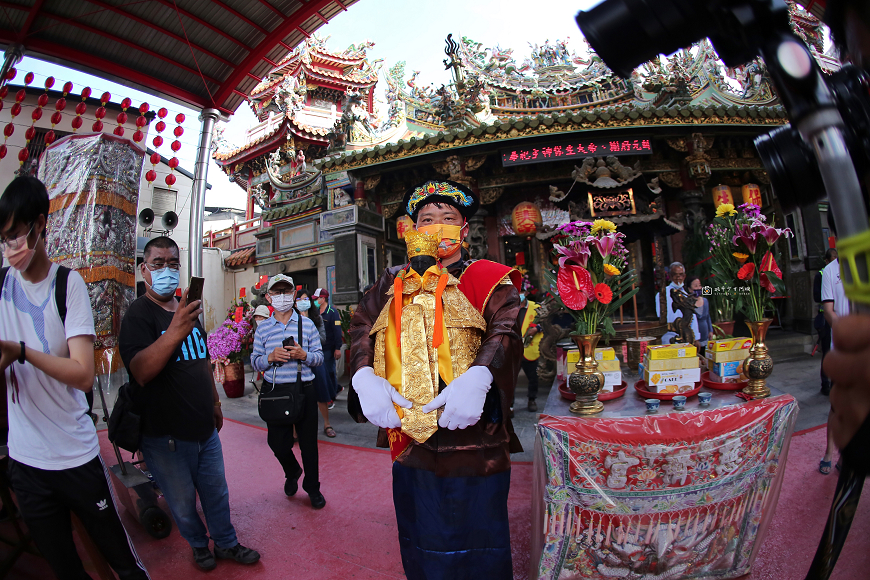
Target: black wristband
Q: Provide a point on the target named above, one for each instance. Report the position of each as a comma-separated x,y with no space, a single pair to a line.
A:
21,357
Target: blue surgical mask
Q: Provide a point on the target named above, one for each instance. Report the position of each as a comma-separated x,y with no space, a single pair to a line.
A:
165,281
303,304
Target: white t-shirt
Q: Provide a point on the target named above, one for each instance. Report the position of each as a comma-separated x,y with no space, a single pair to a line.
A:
48,423
833,291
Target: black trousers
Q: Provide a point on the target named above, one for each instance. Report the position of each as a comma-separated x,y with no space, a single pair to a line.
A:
280,438
46,499
825,339
530,367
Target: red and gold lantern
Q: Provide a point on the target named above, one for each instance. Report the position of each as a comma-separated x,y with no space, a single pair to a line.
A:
752,194
525,218
81,109
403,224
722,195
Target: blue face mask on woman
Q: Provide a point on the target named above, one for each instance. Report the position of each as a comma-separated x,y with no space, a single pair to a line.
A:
303,304
164,281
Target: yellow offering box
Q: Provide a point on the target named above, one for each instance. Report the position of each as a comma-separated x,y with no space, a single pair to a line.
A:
607,362
671,351
726,344
726,356
672,381
605,354
672,364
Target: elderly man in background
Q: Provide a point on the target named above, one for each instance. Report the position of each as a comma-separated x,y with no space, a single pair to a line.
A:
677,275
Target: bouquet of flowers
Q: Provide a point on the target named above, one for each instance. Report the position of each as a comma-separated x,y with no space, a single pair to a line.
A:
741,244
592,281
229,343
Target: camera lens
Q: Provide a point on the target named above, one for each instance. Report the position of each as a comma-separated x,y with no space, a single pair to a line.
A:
792,167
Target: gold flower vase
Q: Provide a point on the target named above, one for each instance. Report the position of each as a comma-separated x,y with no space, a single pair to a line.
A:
758,366
586,381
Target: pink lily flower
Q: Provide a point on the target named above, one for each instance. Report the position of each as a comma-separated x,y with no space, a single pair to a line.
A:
747,236
772,234
578,253
605,245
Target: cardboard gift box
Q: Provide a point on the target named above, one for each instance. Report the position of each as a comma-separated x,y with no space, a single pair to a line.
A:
726,356
726,344
678,381
721,372
671,351
607,365
612,380
604,354
672,364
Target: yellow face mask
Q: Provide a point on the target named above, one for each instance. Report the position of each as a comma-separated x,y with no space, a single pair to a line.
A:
451,241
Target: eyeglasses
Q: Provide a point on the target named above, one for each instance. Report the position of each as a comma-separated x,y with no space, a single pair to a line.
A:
160,265
288,292
17,242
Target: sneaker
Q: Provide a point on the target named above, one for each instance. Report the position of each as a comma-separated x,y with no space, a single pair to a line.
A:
291,486
533,406
331,405
317,500
239,553
204,558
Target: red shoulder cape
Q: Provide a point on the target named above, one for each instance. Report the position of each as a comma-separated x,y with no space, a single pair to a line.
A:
481,277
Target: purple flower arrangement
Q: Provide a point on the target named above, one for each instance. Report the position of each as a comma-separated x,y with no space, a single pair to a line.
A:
229,343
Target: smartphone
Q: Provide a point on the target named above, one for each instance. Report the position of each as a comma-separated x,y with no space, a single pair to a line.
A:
289,341
194,291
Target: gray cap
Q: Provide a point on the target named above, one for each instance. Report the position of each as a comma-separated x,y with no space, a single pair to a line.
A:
262,310
280,278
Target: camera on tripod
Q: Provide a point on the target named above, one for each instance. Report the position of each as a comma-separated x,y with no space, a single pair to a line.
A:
826,145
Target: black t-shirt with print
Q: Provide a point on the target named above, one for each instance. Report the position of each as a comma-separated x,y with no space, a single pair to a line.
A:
178,402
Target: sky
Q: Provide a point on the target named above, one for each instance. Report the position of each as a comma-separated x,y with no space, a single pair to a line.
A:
401,30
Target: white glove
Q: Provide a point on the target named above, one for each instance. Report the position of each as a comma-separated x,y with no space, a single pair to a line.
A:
462,399
376,396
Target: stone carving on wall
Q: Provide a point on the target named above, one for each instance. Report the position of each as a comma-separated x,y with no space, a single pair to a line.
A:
490,195
477,238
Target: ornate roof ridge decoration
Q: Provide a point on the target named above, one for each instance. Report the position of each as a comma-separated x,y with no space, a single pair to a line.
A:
312,202
277,131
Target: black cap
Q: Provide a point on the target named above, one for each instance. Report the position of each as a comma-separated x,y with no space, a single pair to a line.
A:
442,191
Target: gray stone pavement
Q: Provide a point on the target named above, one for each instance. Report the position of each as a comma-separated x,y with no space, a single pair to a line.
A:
795,372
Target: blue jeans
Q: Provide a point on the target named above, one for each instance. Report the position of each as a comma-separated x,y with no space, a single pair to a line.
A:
329,365
193,467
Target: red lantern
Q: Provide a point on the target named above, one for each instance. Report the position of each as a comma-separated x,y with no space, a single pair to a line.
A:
77,124
525,218
86,93
15,110
97,127
1,105
28,78
8,130
179,131
179,118
29,134
176,145
158,141
752,194
67,88
107,96
138,136
119,131
144,108
56,118
36,115
100,113
49,82
81,108
173,163
122,118
49,137
150,175
4,92
155,158
11,74
403,224
170,180
722,194
162,113
160,126
20,96
2,151
42,100
141,121
23,154
125,104
60,105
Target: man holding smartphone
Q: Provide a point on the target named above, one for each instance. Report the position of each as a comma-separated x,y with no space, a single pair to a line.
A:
163,346
286,346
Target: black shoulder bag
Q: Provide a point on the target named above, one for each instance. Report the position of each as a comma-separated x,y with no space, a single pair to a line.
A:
125,422
284,404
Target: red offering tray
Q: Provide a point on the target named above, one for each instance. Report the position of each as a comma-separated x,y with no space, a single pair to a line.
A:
567,394
640,387
705,379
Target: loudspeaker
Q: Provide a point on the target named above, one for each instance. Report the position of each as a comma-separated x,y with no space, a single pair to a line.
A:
146,217
169,221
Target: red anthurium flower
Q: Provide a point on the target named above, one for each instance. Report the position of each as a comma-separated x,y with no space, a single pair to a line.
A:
575,286
766,283
747,271
603,293
768,264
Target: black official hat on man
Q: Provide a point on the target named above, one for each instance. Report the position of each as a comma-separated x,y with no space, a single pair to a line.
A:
443,191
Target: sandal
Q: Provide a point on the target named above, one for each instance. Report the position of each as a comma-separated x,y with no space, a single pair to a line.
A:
824,467
330,432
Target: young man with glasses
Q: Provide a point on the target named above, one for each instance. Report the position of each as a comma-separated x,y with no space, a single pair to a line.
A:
48,365
163,346
286,364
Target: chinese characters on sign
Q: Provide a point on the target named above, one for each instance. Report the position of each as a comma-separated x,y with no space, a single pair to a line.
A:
576,149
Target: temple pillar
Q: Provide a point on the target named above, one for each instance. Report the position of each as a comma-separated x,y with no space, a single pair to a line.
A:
478,248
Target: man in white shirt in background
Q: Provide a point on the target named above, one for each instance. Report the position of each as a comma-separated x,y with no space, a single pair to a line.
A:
48,365
677,275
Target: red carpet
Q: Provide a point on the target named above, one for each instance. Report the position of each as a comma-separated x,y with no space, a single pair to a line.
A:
354,536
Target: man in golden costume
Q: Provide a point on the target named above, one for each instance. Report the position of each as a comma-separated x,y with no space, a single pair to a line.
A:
436,372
